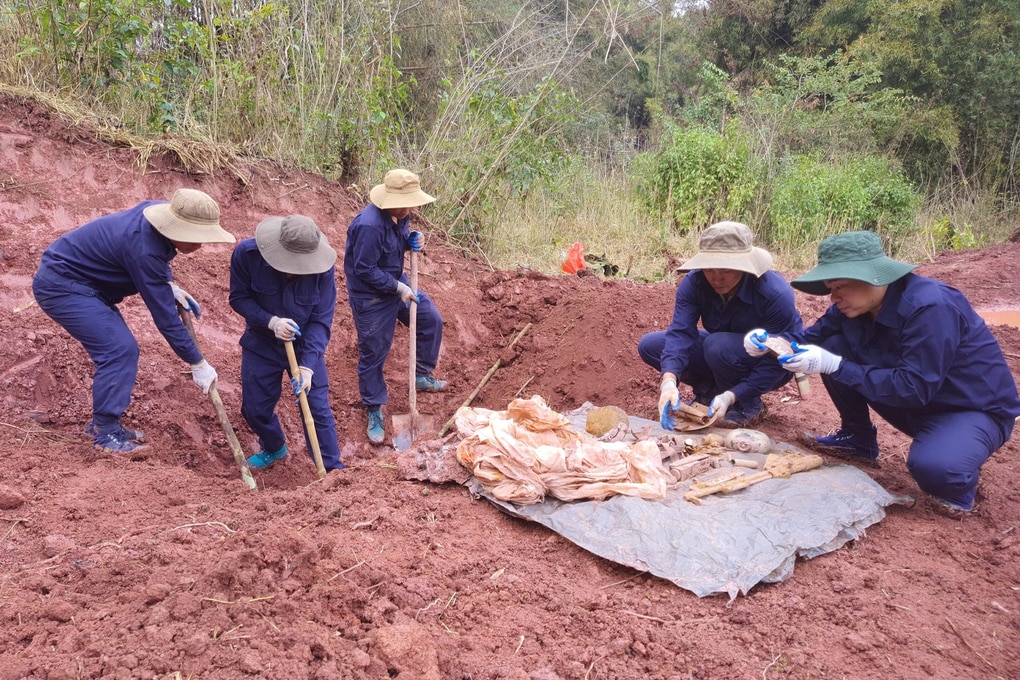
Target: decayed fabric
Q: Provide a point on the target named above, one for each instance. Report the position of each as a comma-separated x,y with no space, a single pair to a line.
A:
529,451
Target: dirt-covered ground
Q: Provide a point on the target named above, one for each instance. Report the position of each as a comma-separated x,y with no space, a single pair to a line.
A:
163,565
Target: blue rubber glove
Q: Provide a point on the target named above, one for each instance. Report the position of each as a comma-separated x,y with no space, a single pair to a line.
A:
810,360
416,240
721,404
185,300
302,382
284,329
669,399
754,342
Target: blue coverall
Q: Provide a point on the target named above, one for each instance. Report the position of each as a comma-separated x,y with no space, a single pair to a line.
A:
928,365
82,277
373,263
258,293
712,360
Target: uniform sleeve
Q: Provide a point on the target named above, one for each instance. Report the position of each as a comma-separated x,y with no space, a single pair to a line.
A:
242,295
929,341
315,333
366,251
151,276
683,331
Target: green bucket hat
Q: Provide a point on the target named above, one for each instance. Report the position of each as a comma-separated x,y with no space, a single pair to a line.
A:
856,255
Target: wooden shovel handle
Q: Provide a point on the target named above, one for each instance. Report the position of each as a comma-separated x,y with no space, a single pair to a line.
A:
306,411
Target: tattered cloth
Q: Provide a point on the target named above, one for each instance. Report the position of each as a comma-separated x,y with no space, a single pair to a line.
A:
528,451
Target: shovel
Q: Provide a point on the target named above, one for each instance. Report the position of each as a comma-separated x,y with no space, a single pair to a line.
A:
221,412
407,426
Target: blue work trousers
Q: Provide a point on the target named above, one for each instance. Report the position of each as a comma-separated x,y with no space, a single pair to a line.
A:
261,384
949,447
717,362
100,328
375,320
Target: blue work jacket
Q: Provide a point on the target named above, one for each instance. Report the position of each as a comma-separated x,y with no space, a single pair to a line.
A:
117,256
765,302
258,293
927,349
374,255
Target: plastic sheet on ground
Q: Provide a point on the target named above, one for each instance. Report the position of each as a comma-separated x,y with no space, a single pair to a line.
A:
729,543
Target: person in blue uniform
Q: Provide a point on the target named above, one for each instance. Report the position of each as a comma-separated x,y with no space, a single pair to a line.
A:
87,272
913,350
283,282
730,291
379,291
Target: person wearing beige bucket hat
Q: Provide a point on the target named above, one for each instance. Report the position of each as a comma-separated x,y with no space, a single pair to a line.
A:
913,350
87,272
283,282
730,290
379,292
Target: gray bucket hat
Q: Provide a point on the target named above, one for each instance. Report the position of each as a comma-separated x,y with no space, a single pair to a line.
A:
294,245
856,255
191,216
728,245
399,189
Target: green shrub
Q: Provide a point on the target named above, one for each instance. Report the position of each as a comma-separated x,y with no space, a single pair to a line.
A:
814,198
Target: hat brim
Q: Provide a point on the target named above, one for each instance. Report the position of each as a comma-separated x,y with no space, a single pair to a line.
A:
755,261
384,200
267,238
879,271
176,229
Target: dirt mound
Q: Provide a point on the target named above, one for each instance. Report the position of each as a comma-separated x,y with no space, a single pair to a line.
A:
165,566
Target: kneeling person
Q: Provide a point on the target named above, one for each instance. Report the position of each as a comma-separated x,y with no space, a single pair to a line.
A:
282,282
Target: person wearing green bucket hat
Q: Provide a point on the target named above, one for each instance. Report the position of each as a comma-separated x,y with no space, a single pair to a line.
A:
913,350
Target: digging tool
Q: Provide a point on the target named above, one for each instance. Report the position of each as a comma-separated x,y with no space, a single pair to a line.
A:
306,412
407,426
221,412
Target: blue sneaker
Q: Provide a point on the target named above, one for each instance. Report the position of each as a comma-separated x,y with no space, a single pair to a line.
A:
122,432
376,431
846,443
426,383
115,443
263,459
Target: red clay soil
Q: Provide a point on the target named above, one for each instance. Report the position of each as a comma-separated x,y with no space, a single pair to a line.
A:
163,565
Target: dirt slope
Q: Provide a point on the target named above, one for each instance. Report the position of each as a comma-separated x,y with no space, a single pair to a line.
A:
165,566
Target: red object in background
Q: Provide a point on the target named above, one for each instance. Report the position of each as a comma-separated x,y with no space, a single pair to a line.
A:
575,259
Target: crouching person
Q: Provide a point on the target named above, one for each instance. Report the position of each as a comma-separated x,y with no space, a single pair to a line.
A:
282,282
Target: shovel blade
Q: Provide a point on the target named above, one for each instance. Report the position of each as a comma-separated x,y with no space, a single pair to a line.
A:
407,427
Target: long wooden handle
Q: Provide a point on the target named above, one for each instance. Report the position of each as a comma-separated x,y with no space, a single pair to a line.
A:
221,412
306,411
412,352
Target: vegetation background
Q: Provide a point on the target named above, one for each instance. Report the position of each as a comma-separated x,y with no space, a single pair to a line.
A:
625,125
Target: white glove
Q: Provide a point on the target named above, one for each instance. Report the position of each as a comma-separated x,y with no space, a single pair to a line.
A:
405,293
284,329
303,380
204,375
185,300
721,404
754,342
669,395
811,360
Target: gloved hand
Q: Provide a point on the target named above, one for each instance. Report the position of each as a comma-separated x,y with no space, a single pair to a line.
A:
204,375
405,293
669,398
810,360
303,380
754,342
721,404
416,241
185,300
284,329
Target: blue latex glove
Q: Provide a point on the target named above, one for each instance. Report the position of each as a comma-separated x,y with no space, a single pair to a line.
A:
754,342
669,399
416,240
810,360
185,300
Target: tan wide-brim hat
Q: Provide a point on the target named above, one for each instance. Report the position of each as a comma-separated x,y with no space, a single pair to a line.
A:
400,189
294,245
191,216
728,245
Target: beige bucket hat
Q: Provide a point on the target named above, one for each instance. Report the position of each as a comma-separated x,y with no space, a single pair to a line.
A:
400,189
294,245
728,245
191,216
